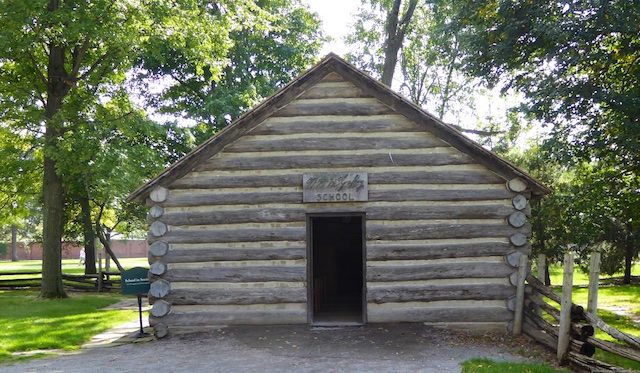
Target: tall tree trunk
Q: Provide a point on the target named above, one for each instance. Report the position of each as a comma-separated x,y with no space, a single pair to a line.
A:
89,237
52,187
396,29
53,191
14,243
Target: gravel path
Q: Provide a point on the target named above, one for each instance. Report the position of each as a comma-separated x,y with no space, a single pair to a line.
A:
372,348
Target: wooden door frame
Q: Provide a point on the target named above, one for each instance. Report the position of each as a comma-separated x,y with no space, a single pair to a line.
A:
310,283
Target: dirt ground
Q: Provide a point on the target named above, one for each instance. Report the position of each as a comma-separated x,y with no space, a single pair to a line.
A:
371,348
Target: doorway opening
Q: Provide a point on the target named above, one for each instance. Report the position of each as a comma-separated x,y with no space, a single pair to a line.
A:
337,269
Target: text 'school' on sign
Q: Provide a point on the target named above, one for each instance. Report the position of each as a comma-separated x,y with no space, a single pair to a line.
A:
335,187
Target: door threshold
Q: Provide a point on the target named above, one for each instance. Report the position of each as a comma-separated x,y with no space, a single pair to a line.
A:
324,324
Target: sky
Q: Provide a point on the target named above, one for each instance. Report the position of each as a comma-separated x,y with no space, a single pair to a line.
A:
336,17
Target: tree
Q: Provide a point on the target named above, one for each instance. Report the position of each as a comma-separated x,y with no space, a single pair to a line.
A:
19,182
380,30
413,38
60,58
262,57
110,152
576,63
605,208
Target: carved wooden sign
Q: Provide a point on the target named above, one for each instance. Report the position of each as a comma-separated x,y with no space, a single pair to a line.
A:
335,187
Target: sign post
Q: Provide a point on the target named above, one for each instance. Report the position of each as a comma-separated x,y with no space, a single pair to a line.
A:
136,281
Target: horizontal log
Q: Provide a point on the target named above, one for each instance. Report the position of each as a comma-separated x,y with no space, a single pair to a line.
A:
435,177
158,228
237,274
159,194
438,271
539,336
160,308
298,214
431,293
255,144
538,301
615,348
235,235
159,288
629,339
233,199
156,211
583,348
519,239
517,219
249,198
436,251
453,211
336,124
232,254
438,195
259,215
439,231
455,314
517,185
159,248
587,364
207,181
242,296
215,318
339,106
519,202
160,330
285,162
334,90
19,273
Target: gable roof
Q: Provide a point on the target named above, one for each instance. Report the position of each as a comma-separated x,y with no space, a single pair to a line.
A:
333,63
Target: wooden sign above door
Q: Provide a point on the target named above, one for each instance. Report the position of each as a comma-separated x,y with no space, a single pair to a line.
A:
335,187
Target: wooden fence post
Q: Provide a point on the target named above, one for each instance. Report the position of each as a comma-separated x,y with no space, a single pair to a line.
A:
99,272
522,274
594,280
542,264
564,337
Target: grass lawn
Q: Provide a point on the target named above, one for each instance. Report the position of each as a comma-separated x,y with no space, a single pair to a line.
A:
69,266
490,366
29,324
579,278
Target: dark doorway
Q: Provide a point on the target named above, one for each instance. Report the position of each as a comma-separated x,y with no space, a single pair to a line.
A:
337,269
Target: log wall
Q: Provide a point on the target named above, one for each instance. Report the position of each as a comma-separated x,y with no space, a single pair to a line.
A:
443,233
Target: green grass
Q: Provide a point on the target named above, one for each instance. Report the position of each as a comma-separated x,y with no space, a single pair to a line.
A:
490,366
579,278
69,266
29,324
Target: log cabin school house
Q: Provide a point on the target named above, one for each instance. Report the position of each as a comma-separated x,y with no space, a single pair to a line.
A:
337,201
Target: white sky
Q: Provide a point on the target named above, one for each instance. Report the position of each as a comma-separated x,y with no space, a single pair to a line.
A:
337,16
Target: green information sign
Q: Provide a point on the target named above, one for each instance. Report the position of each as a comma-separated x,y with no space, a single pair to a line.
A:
135,281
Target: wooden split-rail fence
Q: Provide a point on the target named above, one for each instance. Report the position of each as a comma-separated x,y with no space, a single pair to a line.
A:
571,331
101,282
